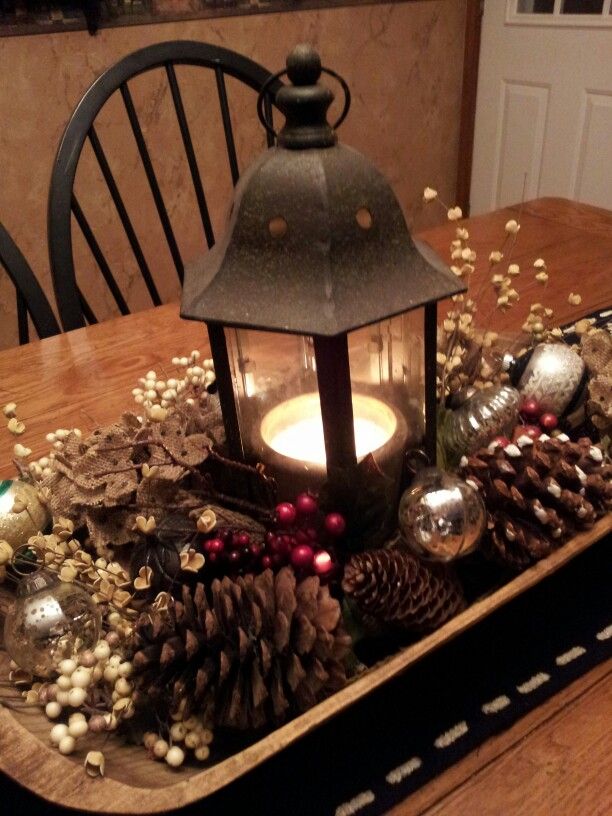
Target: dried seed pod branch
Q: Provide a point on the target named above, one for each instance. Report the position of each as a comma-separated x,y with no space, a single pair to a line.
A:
462,346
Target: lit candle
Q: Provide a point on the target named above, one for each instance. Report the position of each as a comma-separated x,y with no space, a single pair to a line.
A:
293,431
295,428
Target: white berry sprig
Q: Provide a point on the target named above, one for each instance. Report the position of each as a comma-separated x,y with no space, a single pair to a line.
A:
159,397
177,740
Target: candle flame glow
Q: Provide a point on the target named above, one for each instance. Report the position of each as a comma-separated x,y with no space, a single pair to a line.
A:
295,428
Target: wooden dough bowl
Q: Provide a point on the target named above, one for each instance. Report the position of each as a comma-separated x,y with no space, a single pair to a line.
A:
136,784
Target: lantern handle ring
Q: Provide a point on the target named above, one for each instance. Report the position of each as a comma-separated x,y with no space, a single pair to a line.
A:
268,124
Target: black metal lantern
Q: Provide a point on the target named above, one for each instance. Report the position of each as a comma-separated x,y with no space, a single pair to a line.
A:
320,308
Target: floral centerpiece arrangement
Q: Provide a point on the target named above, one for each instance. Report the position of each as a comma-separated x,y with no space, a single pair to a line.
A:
217,609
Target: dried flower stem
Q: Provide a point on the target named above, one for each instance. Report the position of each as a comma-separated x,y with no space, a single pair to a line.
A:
157,463
125,445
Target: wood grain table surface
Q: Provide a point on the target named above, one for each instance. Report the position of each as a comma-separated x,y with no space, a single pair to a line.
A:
84,378
556,760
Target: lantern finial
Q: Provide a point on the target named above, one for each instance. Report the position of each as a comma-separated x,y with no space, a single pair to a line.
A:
303,65
304,103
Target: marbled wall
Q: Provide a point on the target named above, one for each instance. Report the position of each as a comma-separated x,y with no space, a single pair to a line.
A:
403,63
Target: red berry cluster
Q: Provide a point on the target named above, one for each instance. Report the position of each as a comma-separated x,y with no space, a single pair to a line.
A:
232,551
299,535
303,537
531,413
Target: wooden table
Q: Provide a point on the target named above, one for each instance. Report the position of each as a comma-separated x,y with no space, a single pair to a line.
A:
84,378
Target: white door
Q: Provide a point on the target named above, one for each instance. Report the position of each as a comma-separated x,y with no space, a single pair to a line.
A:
544,104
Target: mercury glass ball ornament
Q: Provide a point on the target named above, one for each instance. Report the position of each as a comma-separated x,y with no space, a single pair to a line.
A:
487,413
553,374
16,528
440,516
49,621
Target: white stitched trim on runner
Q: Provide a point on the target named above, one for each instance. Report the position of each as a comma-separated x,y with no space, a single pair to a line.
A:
395,776
493,706
448,737
571,654
533,683
355,804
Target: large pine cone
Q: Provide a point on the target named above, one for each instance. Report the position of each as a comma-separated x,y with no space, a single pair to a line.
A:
252,650
538,494
392,586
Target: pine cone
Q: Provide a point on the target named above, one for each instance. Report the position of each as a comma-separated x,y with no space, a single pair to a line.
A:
254,649
392,586
538,494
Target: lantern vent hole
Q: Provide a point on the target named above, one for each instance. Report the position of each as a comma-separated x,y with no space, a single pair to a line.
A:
277,226
364,218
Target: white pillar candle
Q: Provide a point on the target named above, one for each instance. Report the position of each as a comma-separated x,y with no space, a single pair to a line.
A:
295,429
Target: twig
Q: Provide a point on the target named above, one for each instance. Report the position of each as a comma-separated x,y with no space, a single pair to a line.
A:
242,504
14,705
131,444
512,245
512,237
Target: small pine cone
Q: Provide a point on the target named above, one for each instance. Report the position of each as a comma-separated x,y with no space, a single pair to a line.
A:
392,586
517,543
538,493
253,650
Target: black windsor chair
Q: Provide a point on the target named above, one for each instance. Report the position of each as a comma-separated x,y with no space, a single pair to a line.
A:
74,309
31,300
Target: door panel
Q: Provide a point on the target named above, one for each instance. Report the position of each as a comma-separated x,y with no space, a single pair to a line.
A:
593,174
520,141
544,104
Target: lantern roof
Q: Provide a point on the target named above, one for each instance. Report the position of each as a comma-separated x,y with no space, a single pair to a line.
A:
316,243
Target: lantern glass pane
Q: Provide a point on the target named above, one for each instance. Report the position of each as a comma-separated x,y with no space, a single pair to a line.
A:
279,411
275,386
387,365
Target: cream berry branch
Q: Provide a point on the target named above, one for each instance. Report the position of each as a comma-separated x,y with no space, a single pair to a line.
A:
458,326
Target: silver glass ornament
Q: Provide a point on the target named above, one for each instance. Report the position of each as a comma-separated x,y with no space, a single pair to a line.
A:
49,621
553,376
488,413
458,398
441,517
